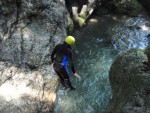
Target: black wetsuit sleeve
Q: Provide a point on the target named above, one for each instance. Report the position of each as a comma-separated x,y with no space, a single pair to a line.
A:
71,62
53,54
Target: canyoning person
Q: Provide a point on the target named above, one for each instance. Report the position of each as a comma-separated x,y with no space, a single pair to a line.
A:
147,52
60,57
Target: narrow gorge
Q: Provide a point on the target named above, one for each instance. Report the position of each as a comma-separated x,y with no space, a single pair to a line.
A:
108,54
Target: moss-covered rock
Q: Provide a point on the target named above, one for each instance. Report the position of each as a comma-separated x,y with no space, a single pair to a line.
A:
81,21
130,85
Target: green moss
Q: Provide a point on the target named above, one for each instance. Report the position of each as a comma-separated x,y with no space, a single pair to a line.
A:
82,16
134,53
81,21
141,50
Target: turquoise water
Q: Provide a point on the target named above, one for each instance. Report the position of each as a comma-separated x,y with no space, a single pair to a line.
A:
94,53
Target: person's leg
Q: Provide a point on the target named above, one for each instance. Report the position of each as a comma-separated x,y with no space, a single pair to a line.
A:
57,70
64,73
62,81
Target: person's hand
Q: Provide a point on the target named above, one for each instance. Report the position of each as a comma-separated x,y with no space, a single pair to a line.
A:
78,76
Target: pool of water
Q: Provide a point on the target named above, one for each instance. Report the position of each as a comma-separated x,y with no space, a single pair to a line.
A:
96,48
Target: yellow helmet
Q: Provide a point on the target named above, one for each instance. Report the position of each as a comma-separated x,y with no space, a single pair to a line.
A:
70,40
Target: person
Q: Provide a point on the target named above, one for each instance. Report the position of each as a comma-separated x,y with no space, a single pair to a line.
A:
60,57
147,52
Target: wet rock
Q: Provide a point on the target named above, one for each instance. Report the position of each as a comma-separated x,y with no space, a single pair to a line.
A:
129,33
26,91
130,85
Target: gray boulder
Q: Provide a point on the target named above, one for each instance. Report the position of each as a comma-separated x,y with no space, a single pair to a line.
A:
130,85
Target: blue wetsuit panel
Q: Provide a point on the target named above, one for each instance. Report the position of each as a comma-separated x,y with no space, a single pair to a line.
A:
64,63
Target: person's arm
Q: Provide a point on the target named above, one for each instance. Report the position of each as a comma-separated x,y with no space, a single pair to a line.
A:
53,54
72,66
78,76
71,61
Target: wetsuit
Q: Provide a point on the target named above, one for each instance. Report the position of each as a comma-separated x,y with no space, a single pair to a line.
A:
60,57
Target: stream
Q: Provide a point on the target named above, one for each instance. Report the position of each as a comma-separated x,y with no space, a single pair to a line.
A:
96,48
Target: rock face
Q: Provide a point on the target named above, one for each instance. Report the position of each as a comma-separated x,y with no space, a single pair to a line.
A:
130,85
29,30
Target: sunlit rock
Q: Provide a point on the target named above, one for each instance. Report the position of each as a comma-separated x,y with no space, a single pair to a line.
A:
144,27
26,91
93,20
